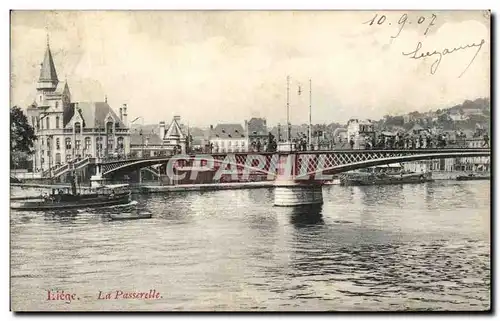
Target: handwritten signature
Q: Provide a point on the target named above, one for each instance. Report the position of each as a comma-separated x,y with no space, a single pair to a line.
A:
416,54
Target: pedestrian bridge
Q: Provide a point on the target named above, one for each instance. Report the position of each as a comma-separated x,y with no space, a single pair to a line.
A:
297,164
298,176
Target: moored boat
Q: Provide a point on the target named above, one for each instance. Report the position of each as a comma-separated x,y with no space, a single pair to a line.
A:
384,175
472,177
130,216
104,196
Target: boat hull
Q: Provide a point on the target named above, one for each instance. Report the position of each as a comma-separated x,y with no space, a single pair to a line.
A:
94,202
387,180
472,178
118,217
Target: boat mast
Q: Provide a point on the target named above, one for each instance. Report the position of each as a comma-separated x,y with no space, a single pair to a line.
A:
73,176
310,111
288,108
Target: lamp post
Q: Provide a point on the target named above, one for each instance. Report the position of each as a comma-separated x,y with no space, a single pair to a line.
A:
49,139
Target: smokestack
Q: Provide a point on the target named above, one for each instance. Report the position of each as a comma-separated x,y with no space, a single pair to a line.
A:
124,115
121,114
162,129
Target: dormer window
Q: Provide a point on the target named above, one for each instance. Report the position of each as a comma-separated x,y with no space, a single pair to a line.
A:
109,127
78,128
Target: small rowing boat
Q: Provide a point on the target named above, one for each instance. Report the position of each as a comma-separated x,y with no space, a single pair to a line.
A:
130,216
472,177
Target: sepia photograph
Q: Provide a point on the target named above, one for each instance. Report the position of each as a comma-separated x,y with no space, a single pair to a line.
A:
250,161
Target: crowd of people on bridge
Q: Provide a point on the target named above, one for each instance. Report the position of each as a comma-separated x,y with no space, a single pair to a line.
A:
408,141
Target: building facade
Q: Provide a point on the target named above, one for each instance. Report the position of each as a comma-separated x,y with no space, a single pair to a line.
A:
258,134
360,131
68,131
161,140
228,138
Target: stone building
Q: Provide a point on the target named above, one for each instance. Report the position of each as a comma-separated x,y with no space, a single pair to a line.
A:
68,131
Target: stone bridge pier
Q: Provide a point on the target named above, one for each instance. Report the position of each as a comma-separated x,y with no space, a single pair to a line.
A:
291,191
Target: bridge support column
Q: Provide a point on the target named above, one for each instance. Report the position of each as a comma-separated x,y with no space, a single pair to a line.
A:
289,191
97,180
297,193
139,175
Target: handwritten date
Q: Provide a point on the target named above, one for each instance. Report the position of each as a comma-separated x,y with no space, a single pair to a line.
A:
402,22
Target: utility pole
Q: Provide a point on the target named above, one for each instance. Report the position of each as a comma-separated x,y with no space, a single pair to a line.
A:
288,108
49,139
310,112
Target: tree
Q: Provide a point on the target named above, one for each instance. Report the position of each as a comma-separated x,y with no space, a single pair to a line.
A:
22,137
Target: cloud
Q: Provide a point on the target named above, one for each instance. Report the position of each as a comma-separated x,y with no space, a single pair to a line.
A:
212,67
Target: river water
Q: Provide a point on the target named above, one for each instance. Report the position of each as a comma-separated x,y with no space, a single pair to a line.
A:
375,248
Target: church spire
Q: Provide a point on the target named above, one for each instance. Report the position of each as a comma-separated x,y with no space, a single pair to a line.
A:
48,75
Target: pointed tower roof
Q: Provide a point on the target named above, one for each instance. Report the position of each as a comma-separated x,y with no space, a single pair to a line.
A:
174,130
48,70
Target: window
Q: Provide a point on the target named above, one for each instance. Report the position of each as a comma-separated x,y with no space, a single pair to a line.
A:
68,158
57,104
78,128
109,127
48,122
110,143
48,142
77,144
87,143
48,153
57,122
98,141
58,143
33,121
67,141
58,158
120,143
42,142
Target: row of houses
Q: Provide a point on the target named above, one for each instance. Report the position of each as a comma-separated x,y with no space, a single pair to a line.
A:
160,140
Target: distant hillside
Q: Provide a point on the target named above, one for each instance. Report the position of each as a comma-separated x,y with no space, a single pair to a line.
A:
466,116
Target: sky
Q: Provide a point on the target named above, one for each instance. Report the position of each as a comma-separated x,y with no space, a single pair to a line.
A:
214,67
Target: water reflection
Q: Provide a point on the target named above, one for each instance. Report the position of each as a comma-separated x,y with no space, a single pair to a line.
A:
306,215
66,216
365,248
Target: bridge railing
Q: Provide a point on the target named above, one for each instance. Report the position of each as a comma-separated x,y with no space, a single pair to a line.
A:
60,170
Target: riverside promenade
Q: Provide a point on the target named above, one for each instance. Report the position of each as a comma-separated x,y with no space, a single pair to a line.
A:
150,187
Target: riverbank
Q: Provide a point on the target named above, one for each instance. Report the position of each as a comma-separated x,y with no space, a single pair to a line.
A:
154,187
453,175
204,187
150,187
